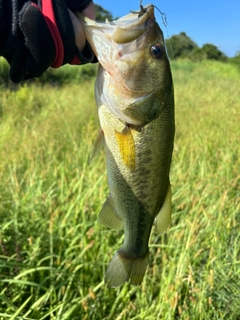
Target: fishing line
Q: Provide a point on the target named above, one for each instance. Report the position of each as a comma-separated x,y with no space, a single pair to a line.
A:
143,10
164,20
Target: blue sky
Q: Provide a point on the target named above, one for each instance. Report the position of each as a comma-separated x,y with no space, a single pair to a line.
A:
206,21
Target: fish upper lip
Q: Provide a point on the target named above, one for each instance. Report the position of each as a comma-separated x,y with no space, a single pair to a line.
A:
130,27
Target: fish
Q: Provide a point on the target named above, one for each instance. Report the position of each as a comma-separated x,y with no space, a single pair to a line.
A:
135,98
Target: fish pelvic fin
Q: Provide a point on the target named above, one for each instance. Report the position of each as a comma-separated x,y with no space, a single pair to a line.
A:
108,217
126,147
163,218
124,268
99,142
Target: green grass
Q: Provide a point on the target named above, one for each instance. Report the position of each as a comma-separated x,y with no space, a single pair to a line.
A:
54,253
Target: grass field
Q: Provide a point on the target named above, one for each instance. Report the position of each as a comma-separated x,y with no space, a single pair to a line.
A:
54,253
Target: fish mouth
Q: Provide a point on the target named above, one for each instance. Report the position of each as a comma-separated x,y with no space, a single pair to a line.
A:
122,30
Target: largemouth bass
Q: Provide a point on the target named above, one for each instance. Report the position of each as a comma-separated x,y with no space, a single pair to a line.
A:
135,99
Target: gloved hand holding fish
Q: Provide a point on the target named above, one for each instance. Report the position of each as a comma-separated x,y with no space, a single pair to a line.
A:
135,99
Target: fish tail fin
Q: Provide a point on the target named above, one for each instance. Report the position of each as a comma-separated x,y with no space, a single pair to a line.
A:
124,268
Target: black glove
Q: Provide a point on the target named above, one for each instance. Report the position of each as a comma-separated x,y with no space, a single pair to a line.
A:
41,36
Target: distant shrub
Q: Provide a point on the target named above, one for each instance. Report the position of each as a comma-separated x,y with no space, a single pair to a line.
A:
209,52
68,74
235,60
197,54
4,72
102,14
65,75
180,45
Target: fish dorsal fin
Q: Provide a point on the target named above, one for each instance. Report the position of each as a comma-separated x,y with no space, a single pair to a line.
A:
163,218
126,147
98,144
108,217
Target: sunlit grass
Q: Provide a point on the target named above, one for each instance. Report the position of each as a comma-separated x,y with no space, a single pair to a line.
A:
53,252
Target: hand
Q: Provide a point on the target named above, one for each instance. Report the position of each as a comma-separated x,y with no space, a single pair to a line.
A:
45,36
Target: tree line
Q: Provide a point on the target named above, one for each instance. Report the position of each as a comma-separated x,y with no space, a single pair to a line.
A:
182,46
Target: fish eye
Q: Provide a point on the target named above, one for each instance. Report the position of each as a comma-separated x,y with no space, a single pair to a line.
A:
157,51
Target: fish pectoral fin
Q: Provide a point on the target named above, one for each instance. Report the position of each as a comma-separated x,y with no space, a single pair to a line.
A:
108,216
98,144
163,218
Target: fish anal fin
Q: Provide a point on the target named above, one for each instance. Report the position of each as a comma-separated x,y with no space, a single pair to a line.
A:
126,147
98,144
108,216
124,268
163,218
